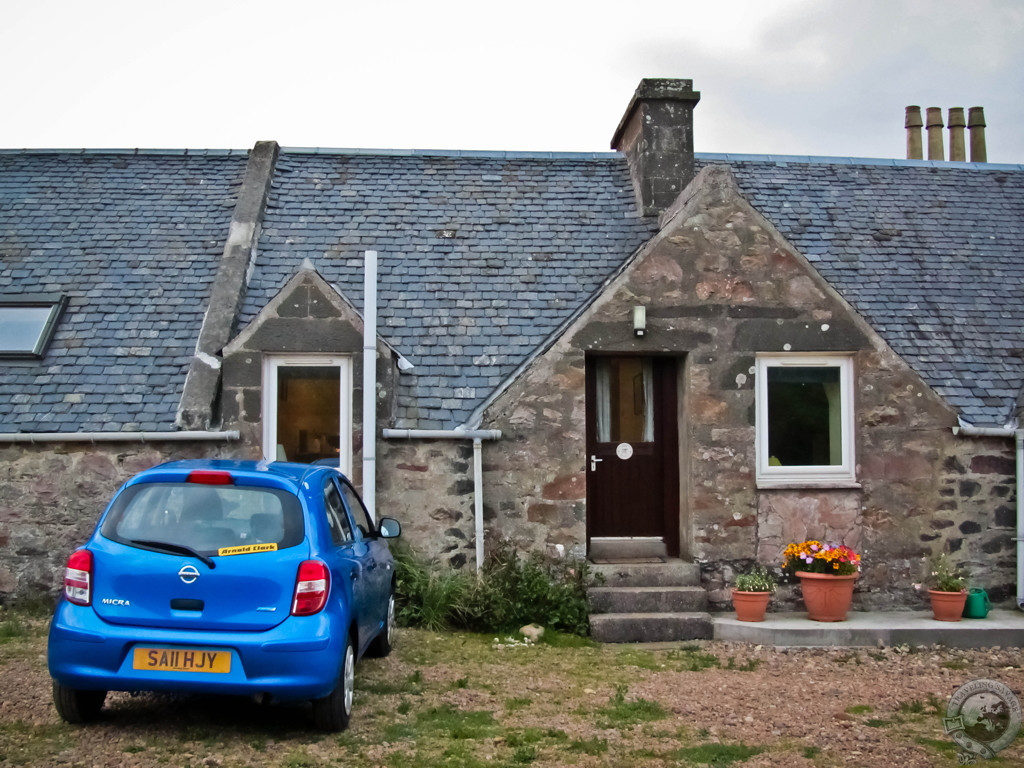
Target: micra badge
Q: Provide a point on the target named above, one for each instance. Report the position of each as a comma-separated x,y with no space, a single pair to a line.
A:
116,601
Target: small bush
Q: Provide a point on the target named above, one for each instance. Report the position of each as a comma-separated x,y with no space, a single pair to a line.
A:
512,590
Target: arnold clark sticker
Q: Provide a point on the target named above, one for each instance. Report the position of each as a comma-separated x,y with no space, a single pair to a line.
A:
246,549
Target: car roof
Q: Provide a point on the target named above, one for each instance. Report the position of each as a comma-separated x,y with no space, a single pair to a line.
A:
295,473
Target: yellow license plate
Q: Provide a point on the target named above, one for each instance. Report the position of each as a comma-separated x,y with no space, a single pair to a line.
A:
181,660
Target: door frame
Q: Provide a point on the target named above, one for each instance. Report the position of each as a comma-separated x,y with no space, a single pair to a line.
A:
271,364
666,385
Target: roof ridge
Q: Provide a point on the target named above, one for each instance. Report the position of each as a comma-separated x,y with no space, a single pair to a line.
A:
728,157
495,154
123,151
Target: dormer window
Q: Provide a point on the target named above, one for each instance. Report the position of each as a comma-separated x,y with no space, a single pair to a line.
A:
27,323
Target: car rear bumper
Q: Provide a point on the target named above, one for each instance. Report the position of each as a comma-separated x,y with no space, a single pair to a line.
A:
298,659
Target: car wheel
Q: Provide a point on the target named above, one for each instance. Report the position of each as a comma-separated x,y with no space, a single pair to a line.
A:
332,712
75,706
383,642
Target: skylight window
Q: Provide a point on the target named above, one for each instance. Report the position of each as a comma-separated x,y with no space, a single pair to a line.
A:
27,324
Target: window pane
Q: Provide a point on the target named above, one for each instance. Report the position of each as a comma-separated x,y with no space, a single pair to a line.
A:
359,513
21,327
804,416
341,531
625,408
308,412
206,517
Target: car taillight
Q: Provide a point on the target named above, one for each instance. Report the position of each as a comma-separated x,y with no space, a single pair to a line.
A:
78,577
311,587
210,477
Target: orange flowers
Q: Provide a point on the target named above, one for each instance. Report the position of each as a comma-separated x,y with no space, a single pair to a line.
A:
820,557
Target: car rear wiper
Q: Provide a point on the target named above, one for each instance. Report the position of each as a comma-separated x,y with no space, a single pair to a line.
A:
180,549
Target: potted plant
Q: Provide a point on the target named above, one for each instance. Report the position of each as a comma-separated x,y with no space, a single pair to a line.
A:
827,573
947,588
753,590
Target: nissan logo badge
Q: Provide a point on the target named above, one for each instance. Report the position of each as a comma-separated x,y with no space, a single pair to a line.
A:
188,573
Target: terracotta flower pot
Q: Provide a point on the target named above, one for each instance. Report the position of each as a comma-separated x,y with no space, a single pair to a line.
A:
947,606
827,597
750,606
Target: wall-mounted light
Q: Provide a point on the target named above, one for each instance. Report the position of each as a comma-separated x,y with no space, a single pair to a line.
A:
639,320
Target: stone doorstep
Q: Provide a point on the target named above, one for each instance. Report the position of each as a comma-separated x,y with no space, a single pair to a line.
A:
650,627
868,629
646,599
673,573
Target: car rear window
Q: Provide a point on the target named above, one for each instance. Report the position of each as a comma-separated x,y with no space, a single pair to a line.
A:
206,518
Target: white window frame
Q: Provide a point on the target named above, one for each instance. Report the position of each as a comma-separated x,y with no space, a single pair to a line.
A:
842,475
271,364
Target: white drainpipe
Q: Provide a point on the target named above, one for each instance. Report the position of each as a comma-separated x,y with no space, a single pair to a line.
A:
1018,435
370,384
477,436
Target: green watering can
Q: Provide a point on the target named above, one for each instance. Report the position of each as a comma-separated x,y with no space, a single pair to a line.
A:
977,604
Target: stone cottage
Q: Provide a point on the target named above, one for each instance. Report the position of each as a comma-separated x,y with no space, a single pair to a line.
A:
647,354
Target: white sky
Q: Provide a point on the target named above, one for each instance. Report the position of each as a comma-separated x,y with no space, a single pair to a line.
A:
776,76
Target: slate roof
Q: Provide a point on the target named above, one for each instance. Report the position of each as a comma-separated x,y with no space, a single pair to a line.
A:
481,255
932,255
134,241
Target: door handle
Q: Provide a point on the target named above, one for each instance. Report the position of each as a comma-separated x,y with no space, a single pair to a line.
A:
593,463
355,574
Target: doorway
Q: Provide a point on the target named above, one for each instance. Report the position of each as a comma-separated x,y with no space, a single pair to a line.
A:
632,454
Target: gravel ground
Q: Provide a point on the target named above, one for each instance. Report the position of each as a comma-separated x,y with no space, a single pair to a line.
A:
464,700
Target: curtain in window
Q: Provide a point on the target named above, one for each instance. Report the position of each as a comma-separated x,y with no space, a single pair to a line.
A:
648,401
604,402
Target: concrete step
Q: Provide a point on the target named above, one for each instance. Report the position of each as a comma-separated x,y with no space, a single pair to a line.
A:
650,627
646,599
867,629
673,573
619,549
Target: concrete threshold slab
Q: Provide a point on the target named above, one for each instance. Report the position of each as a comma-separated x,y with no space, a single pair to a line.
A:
864,629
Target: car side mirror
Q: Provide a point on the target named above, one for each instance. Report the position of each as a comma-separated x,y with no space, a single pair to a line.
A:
389,528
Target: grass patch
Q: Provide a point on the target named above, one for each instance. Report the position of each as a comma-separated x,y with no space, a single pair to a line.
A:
299,758
456,723
557,639
692,659
411,685
12,628
749,665
811,752
949,747
517,703
593,746
954,664
716,755
859,709
632,657
912,707
621,713
876,723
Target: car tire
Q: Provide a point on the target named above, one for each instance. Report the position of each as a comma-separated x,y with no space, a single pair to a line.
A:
384,641
76,706
333,711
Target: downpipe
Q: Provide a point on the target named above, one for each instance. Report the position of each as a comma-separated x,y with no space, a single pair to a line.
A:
477,436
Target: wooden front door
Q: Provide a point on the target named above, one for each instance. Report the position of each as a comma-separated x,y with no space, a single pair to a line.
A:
632,450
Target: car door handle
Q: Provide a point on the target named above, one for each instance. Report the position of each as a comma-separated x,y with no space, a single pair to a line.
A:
355,574
593,463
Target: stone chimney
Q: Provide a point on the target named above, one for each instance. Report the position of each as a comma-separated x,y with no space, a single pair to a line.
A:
913,124
956,124
934,126
656,135
976,125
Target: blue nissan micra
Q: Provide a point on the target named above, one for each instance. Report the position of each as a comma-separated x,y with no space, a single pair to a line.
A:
228,577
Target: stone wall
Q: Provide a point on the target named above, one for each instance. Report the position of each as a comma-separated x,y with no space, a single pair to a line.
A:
720,285
52,494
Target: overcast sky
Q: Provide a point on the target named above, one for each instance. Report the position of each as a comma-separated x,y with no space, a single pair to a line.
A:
775,76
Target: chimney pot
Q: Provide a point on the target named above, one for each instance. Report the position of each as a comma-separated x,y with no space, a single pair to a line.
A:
976,125
913,124
656,135
956,125
934,126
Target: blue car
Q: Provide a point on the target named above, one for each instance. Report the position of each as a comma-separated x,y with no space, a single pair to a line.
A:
227,577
